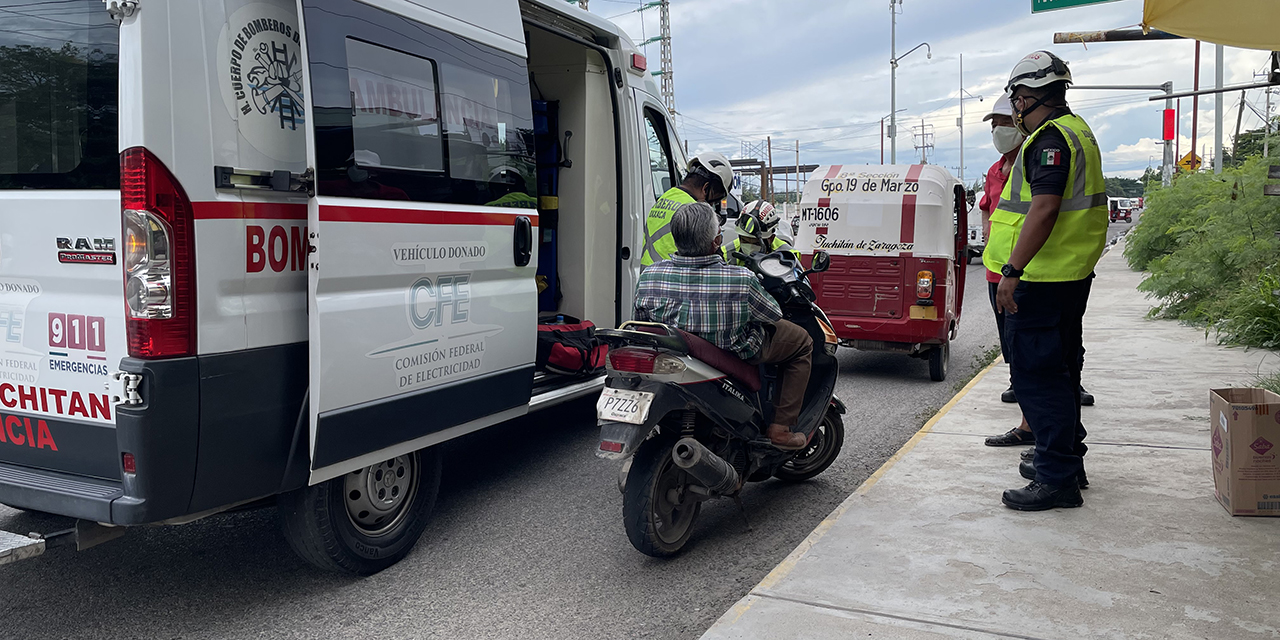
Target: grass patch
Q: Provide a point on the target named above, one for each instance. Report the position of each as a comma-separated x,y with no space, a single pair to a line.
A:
980,361
1270,382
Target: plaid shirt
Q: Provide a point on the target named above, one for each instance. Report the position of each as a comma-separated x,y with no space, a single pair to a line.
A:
706,297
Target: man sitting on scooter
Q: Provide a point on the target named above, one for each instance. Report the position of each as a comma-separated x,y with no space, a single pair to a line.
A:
696,291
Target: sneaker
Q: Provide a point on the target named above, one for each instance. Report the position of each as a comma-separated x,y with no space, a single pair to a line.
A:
1086,398
1009,395
1028,471
1014,436
1042,497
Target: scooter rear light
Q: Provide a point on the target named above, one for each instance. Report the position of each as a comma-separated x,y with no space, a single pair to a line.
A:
610,446
638,360
632,359
924,284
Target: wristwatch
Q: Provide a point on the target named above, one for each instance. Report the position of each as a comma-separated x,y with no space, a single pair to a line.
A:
1009,271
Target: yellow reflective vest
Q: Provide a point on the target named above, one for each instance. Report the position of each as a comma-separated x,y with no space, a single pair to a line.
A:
777,243
658,242
1080,233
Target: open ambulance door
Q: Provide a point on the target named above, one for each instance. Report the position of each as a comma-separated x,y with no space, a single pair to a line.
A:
421,291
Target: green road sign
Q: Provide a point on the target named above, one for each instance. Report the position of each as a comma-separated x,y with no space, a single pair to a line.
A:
1049,5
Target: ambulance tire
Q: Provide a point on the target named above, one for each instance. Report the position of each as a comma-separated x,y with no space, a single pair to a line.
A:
318,526
939,358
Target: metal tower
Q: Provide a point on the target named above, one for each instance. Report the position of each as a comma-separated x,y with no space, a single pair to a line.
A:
668,86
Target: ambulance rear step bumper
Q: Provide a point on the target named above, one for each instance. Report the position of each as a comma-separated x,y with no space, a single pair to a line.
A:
62,494
85,534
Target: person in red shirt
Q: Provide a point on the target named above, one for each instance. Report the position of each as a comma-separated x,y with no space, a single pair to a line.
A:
1008,141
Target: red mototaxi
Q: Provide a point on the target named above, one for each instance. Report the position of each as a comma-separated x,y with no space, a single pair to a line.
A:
896,281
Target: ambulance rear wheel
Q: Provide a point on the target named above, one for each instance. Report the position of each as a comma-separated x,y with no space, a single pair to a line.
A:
367,520
939,358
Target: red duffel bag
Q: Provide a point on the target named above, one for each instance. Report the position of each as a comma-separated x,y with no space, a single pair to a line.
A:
570,348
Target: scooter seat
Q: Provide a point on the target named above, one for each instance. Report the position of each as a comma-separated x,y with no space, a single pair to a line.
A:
726,361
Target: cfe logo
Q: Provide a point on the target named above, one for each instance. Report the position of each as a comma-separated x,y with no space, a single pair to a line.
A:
1261,446
447,298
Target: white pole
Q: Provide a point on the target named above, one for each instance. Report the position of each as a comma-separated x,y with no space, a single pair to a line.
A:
1217,110
961,122
1266,131
893,82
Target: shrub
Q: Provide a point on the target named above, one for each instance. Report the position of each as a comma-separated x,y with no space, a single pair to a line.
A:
1209,242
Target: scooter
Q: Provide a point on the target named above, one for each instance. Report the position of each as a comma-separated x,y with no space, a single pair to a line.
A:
689,419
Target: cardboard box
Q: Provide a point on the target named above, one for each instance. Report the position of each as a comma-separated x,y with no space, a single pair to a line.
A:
1245,426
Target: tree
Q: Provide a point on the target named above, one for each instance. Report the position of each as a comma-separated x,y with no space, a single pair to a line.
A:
1118,187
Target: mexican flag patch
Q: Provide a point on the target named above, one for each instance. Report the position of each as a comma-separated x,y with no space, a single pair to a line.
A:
1051,158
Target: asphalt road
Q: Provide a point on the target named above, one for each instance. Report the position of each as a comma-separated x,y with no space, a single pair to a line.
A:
527,541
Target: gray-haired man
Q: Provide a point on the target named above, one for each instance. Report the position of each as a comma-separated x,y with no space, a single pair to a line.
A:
696,291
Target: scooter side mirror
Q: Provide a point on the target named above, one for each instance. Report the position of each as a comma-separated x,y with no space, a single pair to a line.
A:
821,261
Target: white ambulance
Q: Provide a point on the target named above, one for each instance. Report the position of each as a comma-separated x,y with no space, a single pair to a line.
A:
257,250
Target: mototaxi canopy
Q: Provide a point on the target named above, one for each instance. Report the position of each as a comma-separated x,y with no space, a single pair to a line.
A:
880,210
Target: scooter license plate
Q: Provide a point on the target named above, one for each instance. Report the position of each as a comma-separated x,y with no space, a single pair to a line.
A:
622,405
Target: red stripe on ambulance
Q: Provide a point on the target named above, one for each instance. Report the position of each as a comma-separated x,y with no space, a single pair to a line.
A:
56,401
249,211
421,216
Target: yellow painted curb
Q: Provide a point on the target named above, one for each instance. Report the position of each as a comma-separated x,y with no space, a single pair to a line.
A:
784,568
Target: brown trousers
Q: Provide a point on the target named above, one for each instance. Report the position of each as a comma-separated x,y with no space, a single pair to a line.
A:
786,344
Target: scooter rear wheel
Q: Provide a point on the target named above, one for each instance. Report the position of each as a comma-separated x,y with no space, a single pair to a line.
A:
821,452
657,510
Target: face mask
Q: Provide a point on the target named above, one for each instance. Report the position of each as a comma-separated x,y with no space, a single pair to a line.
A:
1020,117
1007,139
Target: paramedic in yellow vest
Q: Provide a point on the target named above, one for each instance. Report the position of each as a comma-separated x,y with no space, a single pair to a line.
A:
709,179
747,243
1047,234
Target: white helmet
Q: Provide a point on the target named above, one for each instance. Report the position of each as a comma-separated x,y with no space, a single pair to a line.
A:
1037,69
715,166
765,213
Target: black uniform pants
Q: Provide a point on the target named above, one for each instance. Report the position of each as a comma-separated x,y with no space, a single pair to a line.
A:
1004,344
1045,342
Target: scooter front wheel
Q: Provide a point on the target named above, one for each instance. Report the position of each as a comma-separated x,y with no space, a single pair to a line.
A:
821,452
658,510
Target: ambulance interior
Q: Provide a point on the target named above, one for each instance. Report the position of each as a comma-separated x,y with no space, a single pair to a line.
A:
577,191
577,178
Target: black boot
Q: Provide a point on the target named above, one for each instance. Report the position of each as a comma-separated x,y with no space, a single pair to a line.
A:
1042,497
1029,455
1009,395
1028,471
1086,398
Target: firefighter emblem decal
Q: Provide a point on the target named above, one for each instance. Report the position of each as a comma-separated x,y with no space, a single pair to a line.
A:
260,70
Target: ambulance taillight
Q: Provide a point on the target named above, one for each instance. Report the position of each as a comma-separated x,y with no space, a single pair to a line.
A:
159,258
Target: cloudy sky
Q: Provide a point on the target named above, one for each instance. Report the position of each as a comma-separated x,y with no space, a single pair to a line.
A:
817,71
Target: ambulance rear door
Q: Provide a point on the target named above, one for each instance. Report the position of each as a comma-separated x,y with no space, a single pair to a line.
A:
421,293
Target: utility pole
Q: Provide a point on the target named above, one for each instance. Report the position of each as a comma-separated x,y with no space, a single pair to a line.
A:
799,185
668,84
1217,110
1195,104
768,171
960,120
893,82
1235,141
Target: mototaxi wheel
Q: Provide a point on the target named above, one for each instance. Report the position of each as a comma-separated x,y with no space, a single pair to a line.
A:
821,452
658,512
939,358
367,520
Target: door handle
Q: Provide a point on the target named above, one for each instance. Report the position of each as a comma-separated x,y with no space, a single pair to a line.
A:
522,244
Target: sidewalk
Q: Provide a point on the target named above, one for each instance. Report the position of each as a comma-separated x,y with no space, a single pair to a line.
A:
924,549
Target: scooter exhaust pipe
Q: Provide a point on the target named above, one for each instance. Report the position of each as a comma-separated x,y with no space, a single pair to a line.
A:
714,472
